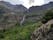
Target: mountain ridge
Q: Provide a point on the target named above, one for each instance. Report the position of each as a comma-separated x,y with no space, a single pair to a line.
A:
20,8
15,13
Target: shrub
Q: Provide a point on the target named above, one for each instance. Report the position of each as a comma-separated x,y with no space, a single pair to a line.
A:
48,16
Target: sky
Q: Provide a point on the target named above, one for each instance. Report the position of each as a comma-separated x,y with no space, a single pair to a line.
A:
29,3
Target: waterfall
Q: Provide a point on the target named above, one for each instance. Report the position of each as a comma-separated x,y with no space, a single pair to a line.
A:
22,21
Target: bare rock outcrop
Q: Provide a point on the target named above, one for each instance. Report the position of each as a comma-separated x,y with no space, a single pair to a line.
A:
45,32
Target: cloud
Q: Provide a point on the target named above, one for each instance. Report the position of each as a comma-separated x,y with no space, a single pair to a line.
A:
29,3
14,1
46,1
26,3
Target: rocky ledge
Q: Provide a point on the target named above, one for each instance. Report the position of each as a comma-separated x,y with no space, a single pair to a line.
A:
44,32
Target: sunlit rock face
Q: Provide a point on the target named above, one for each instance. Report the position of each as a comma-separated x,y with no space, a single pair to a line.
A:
44,32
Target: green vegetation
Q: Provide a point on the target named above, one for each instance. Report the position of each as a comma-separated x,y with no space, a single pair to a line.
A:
19,32
48,16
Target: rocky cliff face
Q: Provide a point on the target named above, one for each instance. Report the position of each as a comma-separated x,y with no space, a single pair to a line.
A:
14,8
45,32
10,14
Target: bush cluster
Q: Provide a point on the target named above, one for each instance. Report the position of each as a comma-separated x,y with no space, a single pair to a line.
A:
48,16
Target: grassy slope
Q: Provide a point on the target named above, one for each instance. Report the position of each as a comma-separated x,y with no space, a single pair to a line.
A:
19,33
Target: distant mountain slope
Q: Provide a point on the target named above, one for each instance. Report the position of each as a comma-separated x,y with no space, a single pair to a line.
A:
37,12
15,8
11,14
39,8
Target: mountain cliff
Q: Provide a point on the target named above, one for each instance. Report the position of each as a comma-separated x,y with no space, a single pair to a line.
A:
44,32
43,7
37,12
14,13
15,8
